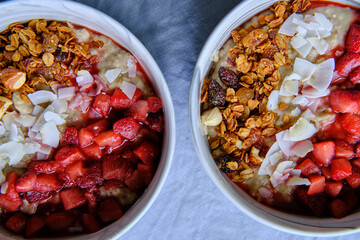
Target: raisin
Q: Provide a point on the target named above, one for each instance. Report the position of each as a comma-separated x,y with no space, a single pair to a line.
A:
229,77
227,164
216,94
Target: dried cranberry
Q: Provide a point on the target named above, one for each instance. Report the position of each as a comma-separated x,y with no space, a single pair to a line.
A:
229,77
227,164
216,94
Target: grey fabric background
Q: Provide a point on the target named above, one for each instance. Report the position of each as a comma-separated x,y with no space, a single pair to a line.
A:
189,206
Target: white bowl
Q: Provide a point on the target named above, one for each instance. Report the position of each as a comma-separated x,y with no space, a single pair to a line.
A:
21,11
303,225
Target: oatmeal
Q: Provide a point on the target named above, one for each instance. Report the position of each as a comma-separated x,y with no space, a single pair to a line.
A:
277,91
80,130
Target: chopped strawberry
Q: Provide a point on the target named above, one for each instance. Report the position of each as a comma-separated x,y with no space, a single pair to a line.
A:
154,104
11,192
67,155
34,225
350,123
355,76
155,121
130,156
91,200
357,151
139,110
326,171
352,43
135,181
308,167
338,208
91,178
127,127
26,182
93,151
8,204
316,203
343,101
109,139
333,188
61,220
89,223
47,183
351,199
346,63
34,196
340,169
94,114
115,167
353,180
147,152
17,222
112,183
85,137
343,149
324,152
43,166
317,184
119,100
72,198
75,170
356,162
102,104
70,136
109,210
147,172
334,130
98,127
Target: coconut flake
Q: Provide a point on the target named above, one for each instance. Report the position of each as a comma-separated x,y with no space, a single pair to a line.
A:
302,148
323,75
265,193
298,41
290,85
37,110
273,101
31,147
45,149
66,93
295,112
295,181
2,129
131,63
4,187
50,134
41,96
25,120
56,118
304,68
304,50
319,44
301,130
285,145
15,134
295,172
300,100
128,88
112,74
85,105
41,156
288,27
8,149
275,158
75,101
310,92
84,77
273,149
323,21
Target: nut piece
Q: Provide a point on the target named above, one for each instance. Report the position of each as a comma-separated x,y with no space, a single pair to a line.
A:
4,105
12,78
254,156
212,117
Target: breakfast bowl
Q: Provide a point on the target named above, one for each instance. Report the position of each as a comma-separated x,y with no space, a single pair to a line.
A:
87,123
269,117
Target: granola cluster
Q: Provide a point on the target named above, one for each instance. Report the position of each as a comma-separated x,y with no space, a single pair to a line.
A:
245,122
41,52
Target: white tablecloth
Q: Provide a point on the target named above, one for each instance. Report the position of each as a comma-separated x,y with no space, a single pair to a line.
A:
189,206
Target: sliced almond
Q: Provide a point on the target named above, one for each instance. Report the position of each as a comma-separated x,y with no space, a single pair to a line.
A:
12,78
4,105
